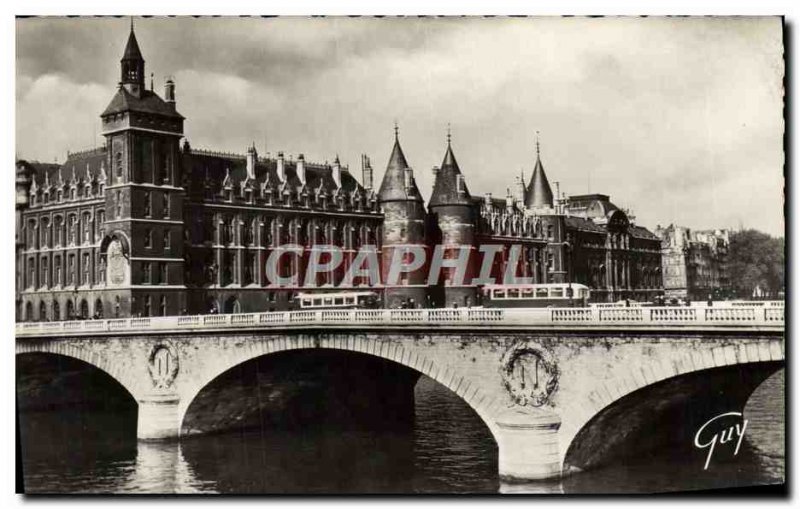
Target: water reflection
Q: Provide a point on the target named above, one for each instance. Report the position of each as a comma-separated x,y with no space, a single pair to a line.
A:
449,451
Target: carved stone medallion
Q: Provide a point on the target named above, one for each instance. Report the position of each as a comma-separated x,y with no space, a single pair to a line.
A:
163,365
530,374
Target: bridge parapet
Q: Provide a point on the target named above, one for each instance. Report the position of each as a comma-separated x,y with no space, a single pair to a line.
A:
756,318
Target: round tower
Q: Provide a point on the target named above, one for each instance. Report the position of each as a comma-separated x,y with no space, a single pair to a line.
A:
403,240
453,214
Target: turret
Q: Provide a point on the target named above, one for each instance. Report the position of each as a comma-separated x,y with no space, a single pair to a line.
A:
452,211
403,232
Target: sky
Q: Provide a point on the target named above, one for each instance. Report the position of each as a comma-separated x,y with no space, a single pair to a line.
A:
678,119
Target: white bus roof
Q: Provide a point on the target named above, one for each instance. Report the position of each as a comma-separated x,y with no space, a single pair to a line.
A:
536,285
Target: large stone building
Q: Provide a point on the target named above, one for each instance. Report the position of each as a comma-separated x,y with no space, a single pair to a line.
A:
695,263
147,225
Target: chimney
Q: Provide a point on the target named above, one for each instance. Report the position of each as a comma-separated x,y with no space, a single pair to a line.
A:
408,177
520,188
281,169
366,172
435,171
487,199
252,157
169,92
336,172
301,168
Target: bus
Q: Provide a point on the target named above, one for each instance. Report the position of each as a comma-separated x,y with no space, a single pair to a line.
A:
536,295
337,300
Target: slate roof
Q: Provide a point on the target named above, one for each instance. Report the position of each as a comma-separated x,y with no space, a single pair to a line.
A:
581,223
199,166
538,192
132,51
92,161
393,187
445,191
149,102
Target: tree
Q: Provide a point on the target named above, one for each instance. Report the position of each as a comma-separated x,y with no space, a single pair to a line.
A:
756,261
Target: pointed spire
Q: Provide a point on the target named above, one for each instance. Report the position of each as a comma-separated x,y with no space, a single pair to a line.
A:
393,187
132,51
539,193
449,187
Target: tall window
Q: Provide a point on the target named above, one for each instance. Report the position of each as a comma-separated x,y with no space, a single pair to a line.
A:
166,169
148,238
148,203
147,273
45,282
71,269
57,270
101,218
72,226
85,267
162,273
118,164
87,232
147,304
119,204
166,239
165,205
163,305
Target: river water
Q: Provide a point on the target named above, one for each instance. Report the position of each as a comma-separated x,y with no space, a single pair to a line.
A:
449,451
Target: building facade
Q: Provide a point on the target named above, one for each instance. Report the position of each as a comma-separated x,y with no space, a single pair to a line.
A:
695,263
147,225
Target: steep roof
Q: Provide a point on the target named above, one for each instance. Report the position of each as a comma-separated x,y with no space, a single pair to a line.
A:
149,102
132,51
79,163
538,192
445,188
393,187
200,165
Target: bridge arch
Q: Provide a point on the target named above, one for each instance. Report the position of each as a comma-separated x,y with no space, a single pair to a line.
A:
117,371
467,390
579,416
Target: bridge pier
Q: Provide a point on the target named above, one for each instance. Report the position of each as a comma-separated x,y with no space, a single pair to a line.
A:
527,442
158,417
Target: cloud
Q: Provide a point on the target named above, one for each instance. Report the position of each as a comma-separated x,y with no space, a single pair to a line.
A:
677,118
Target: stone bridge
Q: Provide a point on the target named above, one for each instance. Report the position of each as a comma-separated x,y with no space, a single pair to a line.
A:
560,389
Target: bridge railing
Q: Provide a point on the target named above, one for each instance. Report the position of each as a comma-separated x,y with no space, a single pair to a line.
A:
753,316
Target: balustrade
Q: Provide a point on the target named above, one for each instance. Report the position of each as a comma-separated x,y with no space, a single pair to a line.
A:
771,316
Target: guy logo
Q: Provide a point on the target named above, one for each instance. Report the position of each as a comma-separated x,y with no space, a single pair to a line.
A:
722,437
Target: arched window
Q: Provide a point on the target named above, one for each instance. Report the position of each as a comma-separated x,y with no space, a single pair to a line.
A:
56,311
98,309
29,311
84,310
42,312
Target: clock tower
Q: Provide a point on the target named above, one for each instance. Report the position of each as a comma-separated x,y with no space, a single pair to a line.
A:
143,230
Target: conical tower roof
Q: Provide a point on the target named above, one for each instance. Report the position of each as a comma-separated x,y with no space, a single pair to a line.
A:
538,194
445,188
132,51
393,186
